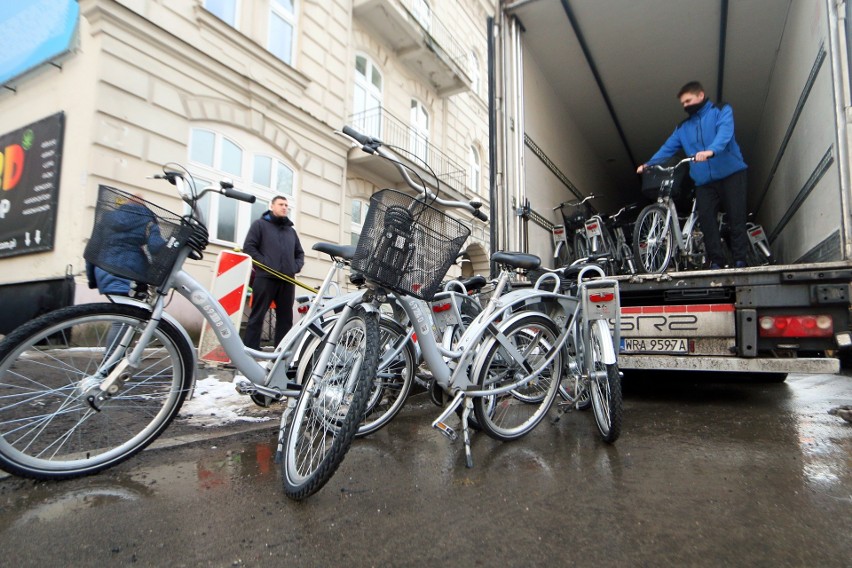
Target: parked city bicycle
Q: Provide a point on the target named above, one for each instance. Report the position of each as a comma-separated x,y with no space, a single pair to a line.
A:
86,387
505,368
659,238
592,377
622,252
571,243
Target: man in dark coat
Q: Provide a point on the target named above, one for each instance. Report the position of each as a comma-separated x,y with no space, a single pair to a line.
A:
273,242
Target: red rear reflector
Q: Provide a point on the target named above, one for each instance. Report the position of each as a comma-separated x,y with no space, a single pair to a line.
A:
440,308
558,231
796,326
303,309
601,297
592,226
756,232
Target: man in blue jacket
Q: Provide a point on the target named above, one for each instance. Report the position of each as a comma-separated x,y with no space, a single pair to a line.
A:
709,133
273,242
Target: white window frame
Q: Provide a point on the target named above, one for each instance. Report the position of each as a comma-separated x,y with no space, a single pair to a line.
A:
250,148
237,7
474,178
475,75
357,225
276,9
419,125
366,90
422,12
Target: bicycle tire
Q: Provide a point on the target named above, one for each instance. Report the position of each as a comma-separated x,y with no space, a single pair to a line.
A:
606,395
652,256
331,405
510,415
581,246
48,430
392,382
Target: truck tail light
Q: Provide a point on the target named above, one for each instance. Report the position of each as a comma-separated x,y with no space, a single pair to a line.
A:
796,326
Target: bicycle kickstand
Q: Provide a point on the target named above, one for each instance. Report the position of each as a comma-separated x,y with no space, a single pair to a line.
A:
468,407
441,425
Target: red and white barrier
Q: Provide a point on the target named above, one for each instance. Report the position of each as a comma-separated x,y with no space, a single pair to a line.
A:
230,281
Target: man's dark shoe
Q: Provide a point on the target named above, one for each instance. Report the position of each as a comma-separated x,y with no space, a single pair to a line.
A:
740,264
714,266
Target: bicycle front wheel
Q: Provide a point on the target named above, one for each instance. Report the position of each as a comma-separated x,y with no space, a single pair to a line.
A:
512,414
652,240
49,368
605,385
330,407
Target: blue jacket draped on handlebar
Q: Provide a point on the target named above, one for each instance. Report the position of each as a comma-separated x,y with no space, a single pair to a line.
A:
711,128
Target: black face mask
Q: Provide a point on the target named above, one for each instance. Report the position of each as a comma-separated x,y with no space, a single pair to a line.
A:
692,109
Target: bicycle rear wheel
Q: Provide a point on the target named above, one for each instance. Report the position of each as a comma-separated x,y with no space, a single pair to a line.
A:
512,414
330,407
605,385
652,251
50,366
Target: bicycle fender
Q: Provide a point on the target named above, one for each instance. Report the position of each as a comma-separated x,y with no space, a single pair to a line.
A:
608,355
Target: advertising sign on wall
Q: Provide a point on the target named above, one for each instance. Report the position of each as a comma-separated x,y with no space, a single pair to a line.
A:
30,163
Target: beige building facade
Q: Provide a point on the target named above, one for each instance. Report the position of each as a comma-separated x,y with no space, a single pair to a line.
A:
254,91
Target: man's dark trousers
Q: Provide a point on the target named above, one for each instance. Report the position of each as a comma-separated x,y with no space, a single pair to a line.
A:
730,193
264,292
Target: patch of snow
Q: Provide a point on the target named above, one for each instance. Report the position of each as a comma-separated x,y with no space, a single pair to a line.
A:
216,403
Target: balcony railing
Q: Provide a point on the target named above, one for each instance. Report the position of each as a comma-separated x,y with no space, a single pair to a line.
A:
438,32
420,40
411,144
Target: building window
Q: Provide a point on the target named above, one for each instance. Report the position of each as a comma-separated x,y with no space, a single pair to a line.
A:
359,213
422,13
214,156
475,76
367,97
419,137
282,23
474,170
225,10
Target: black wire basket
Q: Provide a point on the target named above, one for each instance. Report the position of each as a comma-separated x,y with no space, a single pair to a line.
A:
406,245
133,238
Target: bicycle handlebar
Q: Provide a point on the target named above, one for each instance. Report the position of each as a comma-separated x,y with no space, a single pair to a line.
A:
671,168
375,146
575,203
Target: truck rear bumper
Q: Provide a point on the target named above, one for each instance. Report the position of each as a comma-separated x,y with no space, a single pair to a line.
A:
730,364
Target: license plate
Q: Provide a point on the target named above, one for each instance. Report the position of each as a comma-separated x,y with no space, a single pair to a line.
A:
654,345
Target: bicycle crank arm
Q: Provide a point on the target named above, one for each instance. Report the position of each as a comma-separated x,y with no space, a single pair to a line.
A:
246,387
441,422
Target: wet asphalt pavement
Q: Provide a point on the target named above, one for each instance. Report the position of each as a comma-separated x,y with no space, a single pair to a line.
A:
707,472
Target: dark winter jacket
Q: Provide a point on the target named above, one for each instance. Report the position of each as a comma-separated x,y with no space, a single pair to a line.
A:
711,128
129,236
273,241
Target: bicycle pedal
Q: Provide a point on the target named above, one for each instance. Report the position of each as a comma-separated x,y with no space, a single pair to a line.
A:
244,386
446,431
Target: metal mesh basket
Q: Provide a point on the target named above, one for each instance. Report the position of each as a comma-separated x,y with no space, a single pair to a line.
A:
406,245
133,238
